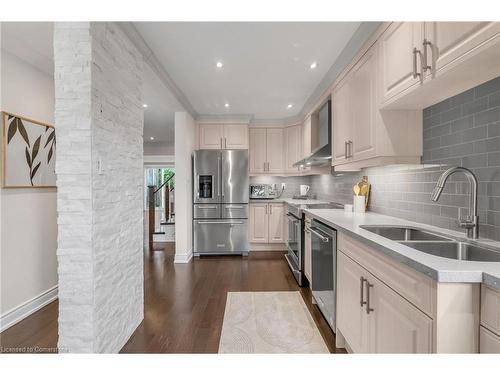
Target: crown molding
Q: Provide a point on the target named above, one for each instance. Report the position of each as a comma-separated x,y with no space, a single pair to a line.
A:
131,32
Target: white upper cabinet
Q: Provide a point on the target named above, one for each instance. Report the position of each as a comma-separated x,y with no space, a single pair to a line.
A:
306,137
266,151
223,136
450,41
400,59
342,121
293,144
236,137
275,150
424,63
258,150
363,94
364,136
211,136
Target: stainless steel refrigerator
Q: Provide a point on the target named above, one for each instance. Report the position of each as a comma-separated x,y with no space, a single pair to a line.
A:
220,202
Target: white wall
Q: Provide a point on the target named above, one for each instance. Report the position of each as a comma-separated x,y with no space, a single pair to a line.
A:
28,216
158,148
185,141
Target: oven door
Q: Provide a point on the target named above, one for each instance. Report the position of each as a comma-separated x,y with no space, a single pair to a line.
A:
294,240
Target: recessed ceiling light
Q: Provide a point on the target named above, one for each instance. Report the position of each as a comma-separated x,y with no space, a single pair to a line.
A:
226,105
144,105
314,65
152,138
219,64
289,106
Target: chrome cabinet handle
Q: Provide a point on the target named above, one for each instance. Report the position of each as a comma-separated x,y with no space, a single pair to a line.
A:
426,43
345,149
270,209
362,281
266,209
368,286
264,166
323,238
415,53
349,154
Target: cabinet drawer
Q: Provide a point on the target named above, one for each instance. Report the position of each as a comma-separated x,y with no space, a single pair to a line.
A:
490,309
488,341
412,285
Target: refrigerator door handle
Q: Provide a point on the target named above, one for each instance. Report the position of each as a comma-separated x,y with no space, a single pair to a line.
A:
222,176
197,182
222,222
218,182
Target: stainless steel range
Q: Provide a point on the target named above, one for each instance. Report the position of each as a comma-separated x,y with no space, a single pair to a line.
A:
295,220
220,202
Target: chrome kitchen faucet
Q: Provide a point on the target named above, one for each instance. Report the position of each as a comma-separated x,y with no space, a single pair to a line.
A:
471,221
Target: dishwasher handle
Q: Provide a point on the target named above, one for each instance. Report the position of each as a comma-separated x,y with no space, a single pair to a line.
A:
323,236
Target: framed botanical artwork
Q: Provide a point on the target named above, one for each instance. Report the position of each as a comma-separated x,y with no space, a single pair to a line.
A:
29,152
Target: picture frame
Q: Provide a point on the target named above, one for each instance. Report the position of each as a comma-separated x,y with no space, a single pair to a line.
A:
28,152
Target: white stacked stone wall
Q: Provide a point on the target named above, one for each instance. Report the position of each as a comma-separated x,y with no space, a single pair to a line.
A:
99,118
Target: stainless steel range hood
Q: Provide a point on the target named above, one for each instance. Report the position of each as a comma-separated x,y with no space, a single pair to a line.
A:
322,154
319,158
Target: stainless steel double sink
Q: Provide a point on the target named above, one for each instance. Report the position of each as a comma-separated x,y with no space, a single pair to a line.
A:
436,244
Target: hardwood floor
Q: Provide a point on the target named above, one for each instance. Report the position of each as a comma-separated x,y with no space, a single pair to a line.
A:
183,303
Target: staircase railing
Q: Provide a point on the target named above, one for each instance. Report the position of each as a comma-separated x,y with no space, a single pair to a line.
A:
152,191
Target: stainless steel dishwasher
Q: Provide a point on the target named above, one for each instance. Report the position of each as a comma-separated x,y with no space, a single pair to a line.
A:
324,269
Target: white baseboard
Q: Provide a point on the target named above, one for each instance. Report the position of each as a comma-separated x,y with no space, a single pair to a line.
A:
183,258
18,313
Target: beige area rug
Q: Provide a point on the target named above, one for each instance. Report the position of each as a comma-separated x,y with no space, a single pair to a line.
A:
269,322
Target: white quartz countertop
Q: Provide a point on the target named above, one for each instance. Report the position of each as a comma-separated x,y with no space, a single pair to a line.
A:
303,201
288,200
440,269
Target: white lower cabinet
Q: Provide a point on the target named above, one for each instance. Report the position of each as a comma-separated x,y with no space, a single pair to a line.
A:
489,332
352,319
395,325
266,224
373,318
488,341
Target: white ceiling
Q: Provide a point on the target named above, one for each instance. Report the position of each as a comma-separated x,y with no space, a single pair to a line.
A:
162,105
266,65
31,42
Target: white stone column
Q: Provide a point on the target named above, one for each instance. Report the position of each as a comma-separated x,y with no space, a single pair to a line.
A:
99,121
